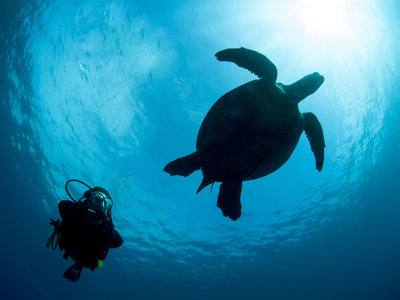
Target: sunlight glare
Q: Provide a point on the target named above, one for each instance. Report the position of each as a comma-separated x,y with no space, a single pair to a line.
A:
324,16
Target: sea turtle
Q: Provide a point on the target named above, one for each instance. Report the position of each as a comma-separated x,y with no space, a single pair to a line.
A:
252,130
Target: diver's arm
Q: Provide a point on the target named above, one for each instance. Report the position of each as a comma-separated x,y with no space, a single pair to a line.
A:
67,208
115,240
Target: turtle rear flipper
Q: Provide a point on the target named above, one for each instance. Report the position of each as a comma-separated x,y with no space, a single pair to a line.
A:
186,165
315,135
229,199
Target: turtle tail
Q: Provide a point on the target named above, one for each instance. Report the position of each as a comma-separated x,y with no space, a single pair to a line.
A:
207,180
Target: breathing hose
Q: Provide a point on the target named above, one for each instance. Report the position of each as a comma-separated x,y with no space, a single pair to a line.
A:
66,188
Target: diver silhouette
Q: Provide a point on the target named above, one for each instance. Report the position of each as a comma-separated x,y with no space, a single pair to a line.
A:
86,231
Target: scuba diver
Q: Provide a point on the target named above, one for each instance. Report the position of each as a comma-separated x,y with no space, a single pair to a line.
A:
86,231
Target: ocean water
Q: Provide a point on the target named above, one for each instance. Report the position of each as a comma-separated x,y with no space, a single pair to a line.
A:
109,92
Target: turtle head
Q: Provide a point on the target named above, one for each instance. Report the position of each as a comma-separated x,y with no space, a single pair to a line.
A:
305,86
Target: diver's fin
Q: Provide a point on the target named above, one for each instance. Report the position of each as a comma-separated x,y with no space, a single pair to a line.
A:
315,135
74,272
186,165
229,199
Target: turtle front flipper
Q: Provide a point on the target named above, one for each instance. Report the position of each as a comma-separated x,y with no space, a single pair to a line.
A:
315,135
229,199
186,165
251,60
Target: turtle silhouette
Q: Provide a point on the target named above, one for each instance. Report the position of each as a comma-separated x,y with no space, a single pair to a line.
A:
252,130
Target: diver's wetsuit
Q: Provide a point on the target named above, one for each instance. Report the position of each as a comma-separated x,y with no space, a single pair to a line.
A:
85,244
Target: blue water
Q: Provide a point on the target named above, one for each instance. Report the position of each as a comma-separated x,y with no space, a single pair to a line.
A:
110,91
